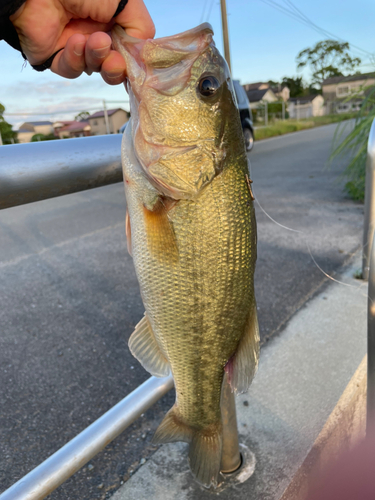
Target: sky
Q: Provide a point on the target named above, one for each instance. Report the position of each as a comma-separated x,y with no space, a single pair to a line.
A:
264,43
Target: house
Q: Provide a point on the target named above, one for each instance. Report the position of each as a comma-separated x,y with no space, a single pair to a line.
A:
28,129
306,106
281,92
257,96
72,129
59,126
343,94
256,86
116,118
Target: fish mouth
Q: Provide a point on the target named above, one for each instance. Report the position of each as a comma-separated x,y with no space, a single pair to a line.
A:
162,63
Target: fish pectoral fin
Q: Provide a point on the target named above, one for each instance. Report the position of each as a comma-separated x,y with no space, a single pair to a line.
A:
128,232
243,365
161,238
205,445
145,349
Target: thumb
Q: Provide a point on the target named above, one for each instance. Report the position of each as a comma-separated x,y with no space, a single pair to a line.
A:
136,19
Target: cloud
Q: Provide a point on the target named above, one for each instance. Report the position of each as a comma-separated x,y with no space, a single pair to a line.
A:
49,109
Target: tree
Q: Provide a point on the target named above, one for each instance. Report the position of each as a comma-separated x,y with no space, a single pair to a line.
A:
326,59
43,137
8,135
82,116
295,85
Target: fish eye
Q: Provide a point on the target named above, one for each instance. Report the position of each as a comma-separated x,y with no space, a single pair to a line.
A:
208,86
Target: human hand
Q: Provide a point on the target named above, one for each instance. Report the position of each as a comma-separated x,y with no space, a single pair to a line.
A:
79,28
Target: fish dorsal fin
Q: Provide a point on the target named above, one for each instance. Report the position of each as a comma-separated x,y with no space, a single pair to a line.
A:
144,347
243,365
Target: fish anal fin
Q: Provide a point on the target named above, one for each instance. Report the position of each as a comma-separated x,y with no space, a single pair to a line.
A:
172,429
144,347
161,238
243,365
128,232
205,445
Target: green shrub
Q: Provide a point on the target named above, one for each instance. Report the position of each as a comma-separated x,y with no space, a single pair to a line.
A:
354,146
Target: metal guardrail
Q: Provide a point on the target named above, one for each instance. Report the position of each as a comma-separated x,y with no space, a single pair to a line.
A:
371,340
369,222
43,170
368,272
45,478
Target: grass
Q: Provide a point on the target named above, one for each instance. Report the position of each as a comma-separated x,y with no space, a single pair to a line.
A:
288,126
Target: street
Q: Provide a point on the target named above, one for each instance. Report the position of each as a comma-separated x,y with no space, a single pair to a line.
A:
70,300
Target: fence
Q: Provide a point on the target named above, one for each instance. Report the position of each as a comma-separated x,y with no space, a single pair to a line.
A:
37,171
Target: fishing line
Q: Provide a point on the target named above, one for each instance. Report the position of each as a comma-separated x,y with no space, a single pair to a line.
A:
308,248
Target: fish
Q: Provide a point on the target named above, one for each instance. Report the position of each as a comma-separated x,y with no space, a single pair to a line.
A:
191,229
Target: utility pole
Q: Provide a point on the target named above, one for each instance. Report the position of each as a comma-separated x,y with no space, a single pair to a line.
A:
265,113
297,111
1,140
106,117
283,110
224,21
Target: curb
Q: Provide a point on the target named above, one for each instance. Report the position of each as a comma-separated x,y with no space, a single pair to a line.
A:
345,427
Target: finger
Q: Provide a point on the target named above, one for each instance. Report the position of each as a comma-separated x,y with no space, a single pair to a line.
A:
98,48
70,62
114,69
136,19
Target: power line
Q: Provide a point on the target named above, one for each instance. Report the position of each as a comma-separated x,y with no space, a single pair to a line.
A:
302,18
203,11
210,9
322,30
63,111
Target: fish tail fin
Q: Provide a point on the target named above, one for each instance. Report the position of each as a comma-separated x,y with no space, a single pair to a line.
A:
172,429
205,455
205,445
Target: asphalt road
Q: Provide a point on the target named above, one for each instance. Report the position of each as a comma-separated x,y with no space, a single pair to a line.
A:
69,301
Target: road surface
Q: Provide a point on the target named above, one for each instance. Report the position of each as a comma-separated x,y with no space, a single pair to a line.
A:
69,301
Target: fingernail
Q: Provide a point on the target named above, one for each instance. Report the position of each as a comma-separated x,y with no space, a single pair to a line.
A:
79,48
101,53
115,74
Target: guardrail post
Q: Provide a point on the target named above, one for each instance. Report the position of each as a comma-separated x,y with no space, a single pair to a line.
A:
371,341
369,223
231,458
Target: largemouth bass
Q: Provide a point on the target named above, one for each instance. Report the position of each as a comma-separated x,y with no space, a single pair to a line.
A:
192,233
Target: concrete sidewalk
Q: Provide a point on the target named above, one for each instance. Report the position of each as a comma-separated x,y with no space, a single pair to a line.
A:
301,377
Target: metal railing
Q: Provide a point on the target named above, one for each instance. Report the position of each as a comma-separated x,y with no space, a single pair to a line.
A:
369,222
368,271
45,478
41,170
38,171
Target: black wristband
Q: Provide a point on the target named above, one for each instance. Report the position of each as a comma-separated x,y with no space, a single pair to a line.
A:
120,7
48,63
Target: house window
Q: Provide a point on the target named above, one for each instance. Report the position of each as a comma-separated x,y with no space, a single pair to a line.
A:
343,90
95,122
343,107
